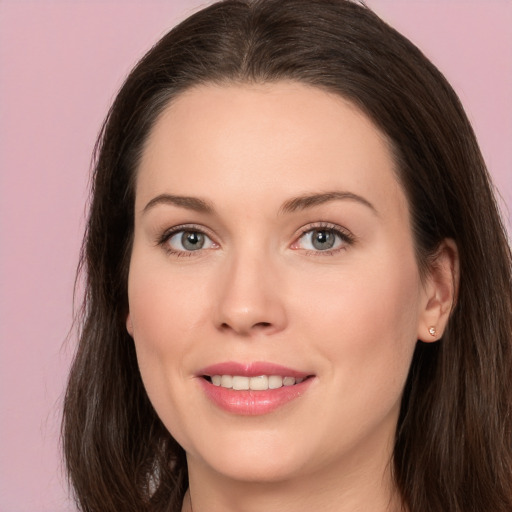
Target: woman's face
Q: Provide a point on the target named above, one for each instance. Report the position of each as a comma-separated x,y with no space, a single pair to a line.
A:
272,242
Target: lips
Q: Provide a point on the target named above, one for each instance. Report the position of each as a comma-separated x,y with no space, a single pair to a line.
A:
254,388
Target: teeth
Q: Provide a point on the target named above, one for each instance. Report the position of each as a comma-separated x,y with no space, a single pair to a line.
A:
260,383
241,383
226,381
275,381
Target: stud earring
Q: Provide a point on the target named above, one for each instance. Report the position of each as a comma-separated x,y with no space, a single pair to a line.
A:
432,331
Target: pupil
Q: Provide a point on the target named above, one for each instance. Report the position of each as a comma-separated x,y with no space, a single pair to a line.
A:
323,239
192,240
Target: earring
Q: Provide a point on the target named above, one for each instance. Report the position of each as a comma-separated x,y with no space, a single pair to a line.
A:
432,331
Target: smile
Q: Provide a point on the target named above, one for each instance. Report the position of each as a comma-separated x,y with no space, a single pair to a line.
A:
259,383
254,388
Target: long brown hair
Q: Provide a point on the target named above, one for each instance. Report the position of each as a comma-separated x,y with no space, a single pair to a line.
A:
453,448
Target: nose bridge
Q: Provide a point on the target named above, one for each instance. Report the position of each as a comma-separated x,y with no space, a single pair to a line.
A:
249,298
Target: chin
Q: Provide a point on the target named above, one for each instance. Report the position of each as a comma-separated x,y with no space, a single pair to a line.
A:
265,458
263,469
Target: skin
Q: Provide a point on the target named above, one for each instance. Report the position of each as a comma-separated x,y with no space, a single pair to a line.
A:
260,291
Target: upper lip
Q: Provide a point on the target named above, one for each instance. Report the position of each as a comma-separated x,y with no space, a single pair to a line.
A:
253,369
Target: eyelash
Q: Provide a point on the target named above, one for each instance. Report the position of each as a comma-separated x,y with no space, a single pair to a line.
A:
346,237
168,234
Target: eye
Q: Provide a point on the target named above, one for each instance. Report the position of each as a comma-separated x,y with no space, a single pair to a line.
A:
187,240
323,239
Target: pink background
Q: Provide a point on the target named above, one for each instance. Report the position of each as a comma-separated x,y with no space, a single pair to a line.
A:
61,63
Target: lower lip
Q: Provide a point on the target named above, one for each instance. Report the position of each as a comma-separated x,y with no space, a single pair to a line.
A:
253,403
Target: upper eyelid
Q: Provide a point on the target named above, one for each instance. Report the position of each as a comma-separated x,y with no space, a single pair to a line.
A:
168,233
324,225
346,236
187,227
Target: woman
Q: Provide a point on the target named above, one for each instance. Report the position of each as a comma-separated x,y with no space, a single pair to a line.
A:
298,285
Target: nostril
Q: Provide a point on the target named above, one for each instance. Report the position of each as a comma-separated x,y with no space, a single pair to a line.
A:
263,324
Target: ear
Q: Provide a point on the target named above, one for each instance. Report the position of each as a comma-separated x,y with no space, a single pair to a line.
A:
129,325
440,289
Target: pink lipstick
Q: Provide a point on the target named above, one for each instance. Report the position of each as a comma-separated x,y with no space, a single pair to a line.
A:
254,388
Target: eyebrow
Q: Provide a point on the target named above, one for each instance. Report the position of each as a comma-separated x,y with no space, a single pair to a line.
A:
311,200
190,203
291,205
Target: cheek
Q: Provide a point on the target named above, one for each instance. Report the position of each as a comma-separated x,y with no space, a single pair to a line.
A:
165,309
166,313
368,298
365,323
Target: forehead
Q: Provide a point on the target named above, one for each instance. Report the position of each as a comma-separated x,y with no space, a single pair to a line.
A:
257,142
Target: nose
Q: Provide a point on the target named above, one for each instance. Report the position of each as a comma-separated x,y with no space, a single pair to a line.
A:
250,299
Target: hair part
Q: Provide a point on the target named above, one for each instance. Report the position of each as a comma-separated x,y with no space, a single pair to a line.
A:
453,447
